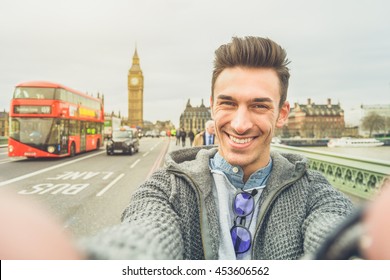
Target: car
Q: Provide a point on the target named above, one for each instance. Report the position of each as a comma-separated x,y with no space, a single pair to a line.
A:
155,134
152,133
123,141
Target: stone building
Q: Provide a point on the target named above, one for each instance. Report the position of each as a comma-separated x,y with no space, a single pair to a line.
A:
194,118
4,123
315,120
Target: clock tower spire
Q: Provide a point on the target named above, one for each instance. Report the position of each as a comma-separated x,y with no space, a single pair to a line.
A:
135,83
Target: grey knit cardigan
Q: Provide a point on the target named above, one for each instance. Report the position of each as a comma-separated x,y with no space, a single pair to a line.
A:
173,214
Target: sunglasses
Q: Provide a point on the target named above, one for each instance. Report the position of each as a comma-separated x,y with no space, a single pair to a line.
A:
243,206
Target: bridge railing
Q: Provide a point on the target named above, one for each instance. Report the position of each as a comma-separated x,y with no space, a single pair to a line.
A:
359,177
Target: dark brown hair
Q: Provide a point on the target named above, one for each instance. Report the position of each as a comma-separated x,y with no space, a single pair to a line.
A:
253,52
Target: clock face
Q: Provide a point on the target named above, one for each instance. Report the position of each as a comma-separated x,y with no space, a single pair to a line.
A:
134,81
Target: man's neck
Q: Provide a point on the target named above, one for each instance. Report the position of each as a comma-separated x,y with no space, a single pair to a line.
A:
236,174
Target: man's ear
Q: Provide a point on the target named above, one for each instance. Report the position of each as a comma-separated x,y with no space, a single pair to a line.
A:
283,115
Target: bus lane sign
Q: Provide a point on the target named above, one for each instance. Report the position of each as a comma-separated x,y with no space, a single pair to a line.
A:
67,188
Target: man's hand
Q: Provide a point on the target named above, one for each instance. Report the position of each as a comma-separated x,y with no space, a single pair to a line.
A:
375,244
29,232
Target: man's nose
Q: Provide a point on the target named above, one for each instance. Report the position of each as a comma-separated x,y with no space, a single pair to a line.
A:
241,121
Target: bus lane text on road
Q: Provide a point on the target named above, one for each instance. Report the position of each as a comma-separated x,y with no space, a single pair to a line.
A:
67,188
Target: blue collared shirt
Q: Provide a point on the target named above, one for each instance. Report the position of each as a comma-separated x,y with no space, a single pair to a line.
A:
228,179
207,138
235,174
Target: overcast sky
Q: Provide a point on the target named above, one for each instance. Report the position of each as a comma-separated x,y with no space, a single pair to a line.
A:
340,49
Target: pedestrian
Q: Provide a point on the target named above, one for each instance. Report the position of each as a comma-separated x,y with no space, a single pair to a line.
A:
183,136
173,132
191,136
206,137
178,137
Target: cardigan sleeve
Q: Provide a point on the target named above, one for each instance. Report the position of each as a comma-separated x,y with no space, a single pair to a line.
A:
149,230
327,208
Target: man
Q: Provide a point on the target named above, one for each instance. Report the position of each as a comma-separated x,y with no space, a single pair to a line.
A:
191,136
183,136
240,200
206,137
178,135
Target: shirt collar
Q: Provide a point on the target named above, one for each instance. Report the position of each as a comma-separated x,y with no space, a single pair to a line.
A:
235,174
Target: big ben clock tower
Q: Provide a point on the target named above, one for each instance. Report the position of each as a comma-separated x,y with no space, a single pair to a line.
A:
136,93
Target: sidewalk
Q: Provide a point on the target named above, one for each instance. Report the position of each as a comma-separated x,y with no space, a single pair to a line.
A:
174,147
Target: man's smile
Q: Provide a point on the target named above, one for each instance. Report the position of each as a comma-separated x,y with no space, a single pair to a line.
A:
240,141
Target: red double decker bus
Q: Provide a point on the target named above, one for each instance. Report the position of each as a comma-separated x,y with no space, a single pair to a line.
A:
52,120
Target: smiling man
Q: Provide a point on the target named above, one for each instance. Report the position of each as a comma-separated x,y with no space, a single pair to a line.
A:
240,199
246,111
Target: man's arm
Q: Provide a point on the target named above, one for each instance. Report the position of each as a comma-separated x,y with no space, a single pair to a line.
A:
149,230
327,208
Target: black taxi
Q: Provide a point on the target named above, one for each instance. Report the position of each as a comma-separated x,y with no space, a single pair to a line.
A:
123,141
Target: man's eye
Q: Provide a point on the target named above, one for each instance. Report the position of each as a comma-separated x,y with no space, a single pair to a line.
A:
227,103
260,106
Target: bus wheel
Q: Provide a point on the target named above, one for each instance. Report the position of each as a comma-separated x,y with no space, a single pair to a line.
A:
98,145
72,150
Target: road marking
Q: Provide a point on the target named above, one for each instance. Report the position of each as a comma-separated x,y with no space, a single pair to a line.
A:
145,154
47,169
110,185
158,143
135,163
159,160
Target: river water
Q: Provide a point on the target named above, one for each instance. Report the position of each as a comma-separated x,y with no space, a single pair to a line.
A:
374,153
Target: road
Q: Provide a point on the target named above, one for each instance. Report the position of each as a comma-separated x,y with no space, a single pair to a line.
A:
87,192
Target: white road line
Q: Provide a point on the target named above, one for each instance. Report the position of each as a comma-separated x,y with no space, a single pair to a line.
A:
47,169
152,148
145,154
5,160
135,163
110,185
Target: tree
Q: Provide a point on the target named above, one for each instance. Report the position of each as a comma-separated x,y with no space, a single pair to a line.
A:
373,122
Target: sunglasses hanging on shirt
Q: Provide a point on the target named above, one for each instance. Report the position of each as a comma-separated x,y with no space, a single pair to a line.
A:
243,206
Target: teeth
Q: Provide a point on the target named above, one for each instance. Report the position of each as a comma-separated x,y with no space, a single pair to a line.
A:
240,141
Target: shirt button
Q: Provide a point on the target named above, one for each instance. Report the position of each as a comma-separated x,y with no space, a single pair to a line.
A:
235,169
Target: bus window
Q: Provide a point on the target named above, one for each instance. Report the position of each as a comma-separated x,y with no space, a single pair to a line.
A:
34,93
15,129
21,93
73,128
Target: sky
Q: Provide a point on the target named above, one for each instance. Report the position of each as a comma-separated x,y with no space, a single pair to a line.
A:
339,49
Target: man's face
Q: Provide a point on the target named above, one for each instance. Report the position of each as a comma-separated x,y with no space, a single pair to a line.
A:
246,111
211,129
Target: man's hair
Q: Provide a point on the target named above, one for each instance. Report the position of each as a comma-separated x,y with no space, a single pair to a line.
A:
209,123
253,52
